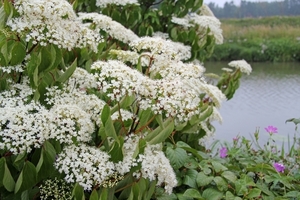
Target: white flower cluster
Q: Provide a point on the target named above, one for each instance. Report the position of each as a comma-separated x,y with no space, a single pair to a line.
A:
113,28
129,148
104,3
205,20
69,123
10,69
242,65
155,166
22,124
74,94
160,47
125,115
170,97
25,124
52,21
85,165
210,22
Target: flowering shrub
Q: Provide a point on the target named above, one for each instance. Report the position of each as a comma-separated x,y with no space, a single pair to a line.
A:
106,99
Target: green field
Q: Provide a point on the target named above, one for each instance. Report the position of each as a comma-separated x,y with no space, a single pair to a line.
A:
275,39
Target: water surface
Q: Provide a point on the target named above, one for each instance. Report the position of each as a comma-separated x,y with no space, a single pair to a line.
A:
268,96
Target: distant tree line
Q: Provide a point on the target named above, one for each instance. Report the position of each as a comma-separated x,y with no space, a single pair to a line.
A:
256,9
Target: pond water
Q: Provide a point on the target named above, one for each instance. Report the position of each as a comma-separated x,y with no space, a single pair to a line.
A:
268,96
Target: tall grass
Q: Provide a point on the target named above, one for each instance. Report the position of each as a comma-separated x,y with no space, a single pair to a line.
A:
261,28
275,39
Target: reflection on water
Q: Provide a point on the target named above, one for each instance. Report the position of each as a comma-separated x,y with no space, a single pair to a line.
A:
268,96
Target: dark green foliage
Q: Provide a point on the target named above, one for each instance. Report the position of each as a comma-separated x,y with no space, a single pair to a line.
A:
274,50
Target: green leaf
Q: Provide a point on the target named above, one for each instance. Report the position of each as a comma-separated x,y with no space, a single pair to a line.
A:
2,17
116,151
105,114
193,193
221,183
262,168
190,178
230,196
6,178
203,180
218,167
19,160
161,133
144,117
66,75
78,193
229,176
108,123
254,193
212,194
27,178
47,157
18,53
94,195
292,194
177,157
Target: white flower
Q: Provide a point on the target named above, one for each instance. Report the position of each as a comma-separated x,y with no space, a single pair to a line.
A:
210,22
113,28
23,124
104,3
242,65
155,166
181,21
52,21
125,115
69,123
205,10
85,165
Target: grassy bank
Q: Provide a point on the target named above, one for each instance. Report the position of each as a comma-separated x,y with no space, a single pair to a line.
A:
275,39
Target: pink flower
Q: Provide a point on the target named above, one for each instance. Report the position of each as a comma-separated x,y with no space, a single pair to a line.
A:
271,129
223,152
279,167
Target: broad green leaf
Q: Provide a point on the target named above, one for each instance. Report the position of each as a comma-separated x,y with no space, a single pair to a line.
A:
19,160
292,194
27,178
47,157
78,193
262,168
108,123
155,138
241,188
193,193
18,53
221,183
177,157
94,195
6,178
162,135
254,193
105,114
212,194
151,189
203,180
190,178
66,75
116,151
144,117
2,17
218,167
230,176
230,196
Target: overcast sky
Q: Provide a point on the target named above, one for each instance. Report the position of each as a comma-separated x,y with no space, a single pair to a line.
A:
236,2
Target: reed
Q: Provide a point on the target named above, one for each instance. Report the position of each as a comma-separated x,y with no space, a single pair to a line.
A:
261,28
